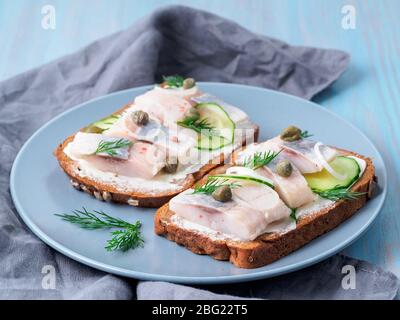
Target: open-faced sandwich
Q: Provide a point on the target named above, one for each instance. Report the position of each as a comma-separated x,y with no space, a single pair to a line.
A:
273,198
156,147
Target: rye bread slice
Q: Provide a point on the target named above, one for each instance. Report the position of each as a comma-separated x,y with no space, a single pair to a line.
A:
107,192
270,246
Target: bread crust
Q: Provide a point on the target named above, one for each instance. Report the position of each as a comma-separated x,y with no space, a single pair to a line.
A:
107,192
268,247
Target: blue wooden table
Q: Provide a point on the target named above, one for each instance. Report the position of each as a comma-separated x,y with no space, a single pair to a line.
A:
368,94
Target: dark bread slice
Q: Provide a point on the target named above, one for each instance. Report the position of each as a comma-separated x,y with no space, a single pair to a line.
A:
107,192
272,246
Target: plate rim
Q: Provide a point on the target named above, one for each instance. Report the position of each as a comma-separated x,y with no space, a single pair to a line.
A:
253,276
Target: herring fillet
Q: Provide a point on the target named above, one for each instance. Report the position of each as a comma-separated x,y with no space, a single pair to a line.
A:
252,208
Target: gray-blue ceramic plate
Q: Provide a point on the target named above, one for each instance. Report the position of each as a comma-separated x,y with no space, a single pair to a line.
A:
40,189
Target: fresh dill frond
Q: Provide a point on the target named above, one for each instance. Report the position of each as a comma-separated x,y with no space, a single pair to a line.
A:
93,220
200,126
293,214
213,184
110,147
305,134
338,193
128,237
259,159
174,81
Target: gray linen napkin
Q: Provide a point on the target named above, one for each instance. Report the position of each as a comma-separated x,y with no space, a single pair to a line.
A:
324,280
172,40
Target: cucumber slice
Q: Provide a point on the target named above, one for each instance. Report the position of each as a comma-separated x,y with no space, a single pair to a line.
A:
211,142
323,180
216,117
246,178
102,125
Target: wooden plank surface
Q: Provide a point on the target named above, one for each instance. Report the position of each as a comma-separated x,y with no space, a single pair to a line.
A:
368,95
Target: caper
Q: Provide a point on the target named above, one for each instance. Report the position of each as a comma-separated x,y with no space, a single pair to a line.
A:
188,83
284,168
222,193
171,165
291,133
140,117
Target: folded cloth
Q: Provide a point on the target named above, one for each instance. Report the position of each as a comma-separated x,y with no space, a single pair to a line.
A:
172,40
329,279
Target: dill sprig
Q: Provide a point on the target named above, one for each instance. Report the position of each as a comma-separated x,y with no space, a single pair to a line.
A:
201,126
126,239
259,159
174,81
129,237
213,184
305,134
338,193
110,147
293,214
